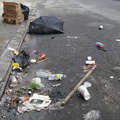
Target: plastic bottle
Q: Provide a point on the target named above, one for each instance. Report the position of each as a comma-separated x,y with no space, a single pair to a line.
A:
14,82
43,73
56,76
99,45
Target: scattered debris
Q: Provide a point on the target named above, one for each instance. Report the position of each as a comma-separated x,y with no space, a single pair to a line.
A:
77,86
12,49
15,65
37,102
56,77
118,40
36,83
92,115
14,82
89,63
111,77
33,60
22,58
49,75
41,56
46,25
86,67
16,52
84,92
106,85
100,45
117,68
8,92
39,61
22,109
87,84
100,27
56,85
35,51
73,37
43,73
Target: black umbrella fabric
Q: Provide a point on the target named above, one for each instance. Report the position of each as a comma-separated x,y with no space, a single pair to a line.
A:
46,25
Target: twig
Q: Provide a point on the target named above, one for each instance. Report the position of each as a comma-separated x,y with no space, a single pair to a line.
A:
76,87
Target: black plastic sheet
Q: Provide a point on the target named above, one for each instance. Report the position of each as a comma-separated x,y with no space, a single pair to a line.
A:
46,25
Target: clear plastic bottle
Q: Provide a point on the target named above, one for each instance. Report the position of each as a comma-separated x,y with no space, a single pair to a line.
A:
56,76
43,73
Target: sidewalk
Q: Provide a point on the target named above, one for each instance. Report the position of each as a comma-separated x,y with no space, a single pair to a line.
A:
11,36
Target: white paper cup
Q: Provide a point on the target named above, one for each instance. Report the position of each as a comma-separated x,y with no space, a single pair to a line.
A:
84,92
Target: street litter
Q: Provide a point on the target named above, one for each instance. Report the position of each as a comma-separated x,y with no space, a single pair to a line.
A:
22,109
15,51
12,49
116,68
36,83
41,56
89,63
33,60
73,37
100,45
22,58
14,82
46,25
100,27
43,73
35,51
15,65
118,40
56,85
17,68
37,102
77,86
56,77
111,77
84,92
49,75
87,84
8,92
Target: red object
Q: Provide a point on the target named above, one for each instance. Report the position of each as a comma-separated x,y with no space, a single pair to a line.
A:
26,98
42,56
99,45
86,67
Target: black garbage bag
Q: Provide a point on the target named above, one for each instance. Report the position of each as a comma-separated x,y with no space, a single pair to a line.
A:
22,58
46,25
25,11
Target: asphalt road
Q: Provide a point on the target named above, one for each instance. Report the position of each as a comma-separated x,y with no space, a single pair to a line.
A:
78,41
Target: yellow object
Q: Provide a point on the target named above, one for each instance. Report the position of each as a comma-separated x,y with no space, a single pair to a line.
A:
16,65
58,76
